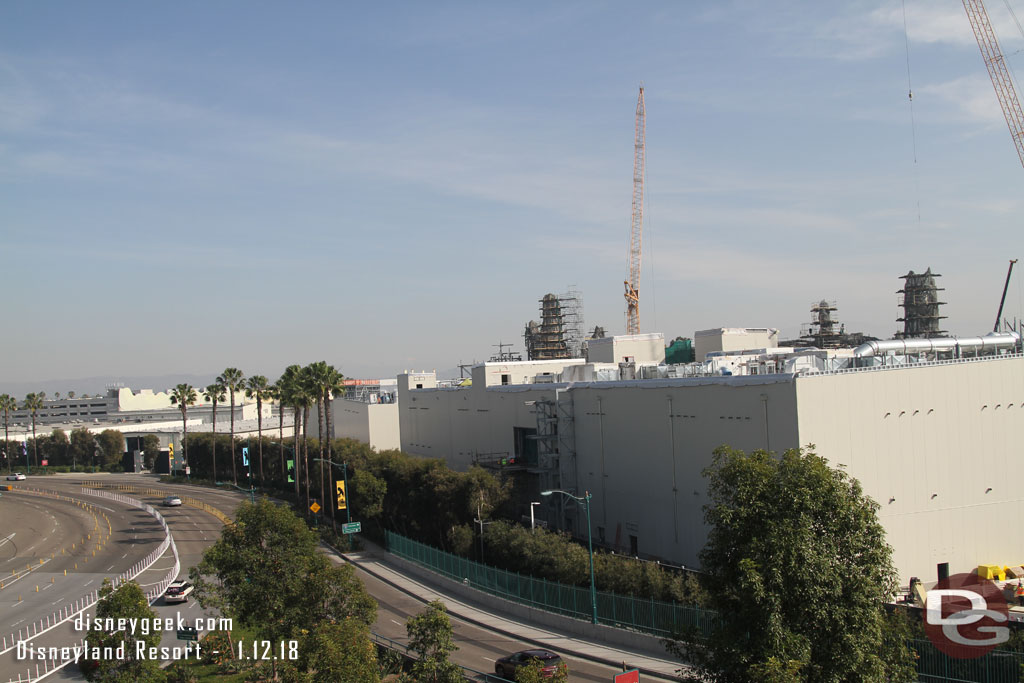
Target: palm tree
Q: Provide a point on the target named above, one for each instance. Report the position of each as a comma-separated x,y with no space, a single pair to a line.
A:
274,394
71,394
257,386
316,379
184,395
232,379
333,385
7,404
289,388
215,394
34,402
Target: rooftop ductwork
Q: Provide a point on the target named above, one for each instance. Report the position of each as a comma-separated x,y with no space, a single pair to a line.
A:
990,342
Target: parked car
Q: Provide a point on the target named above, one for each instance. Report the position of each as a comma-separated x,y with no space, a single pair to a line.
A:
178,591
172,501
17,476
506,667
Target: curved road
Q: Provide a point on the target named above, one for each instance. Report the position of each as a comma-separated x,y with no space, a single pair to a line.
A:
194,530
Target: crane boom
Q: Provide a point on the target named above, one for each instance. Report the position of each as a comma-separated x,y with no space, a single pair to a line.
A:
997,71
1002,301
637,223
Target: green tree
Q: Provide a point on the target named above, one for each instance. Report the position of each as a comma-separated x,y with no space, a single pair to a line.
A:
430,637
798,571
533,672
341,652
56,447
7,405
266,572
112,446
183,396
126,602
258,387
34,402
150,450
83,445
232,379
215,393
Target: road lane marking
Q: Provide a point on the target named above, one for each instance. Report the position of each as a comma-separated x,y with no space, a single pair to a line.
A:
18,622
124,556
56,601
88,582
396,622
4,540
48,586
109,568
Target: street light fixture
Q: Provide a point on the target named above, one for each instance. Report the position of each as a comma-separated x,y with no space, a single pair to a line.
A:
590,544
251,491
531,514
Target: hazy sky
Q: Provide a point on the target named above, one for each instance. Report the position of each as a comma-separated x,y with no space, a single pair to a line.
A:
193,185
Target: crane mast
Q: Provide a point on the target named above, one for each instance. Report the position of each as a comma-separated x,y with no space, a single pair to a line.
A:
997,71
637,224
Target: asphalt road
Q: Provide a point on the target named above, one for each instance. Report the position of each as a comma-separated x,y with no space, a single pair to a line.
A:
194,530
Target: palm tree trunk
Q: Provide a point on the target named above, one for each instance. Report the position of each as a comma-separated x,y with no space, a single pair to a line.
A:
35,442
327,436
320,447
184,433
234,469
214,447
259,432
280,437
305,448
296,452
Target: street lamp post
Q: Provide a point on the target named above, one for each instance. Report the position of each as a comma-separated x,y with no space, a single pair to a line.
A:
590,544
348,508
531,514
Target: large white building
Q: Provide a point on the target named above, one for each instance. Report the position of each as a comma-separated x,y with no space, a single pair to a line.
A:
933,434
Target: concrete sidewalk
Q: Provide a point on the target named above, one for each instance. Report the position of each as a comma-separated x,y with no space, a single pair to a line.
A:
495,615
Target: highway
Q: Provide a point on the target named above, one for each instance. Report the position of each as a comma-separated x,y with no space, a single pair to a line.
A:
49,525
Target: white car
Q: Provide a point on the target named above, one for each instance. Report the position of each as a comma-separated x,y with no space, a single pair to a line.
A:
17,476
178,591
172,501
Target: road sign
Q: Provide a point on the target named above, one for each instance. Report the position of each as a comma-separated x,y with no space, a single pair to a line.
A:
339,488
315,507
245,456
291,471
351,527
188,470
188,633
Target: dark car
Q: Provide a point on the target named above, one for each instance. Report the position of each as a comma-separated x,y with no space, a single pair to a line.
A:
506,667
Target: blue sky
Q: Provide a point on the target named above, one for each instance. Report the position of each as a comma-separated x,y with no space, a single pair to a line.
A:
187,186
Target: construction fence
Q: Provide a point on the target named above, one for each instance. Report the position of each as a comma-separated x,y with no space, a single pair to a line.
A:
638,614
662,618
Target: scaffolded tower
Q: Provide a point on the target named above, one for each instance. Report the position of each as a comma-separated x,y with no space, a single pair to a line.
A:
920,306
546,340
572,321
824,330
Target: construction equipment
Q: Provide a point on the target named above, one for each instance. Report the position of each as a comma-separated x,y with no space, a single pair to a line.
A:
997,71
1002,301
636,229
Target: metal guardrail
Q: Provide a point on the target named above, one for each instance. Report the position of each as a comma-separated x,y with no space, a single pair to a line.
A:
67,612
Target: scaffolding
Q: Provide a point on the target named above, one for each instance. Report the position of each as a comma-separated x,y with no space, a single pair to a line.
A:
920,306
572,321
546,340
824,330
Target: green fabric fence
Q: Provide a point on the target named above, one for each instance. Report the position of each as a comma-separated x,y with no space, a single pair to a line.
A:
639,614
663,618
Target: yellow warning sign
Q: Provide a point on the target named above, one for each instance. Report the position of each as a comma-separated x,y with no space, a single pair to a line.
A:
315,507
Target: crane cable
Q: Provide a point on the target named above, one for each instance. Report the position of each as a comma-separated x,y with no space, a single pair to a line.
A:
913,125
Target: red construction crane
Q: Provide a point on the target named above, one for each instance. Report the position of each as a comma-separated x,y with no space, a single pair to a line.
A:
637,227
996,64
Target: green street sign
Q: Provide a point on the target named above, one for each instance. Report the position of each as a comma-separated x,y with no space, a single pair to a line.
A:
351,528
188,633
